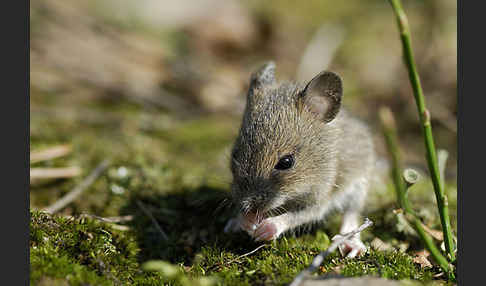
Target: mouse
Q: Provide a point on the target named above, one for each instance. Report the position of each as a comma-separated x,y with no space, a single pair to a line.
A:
299,157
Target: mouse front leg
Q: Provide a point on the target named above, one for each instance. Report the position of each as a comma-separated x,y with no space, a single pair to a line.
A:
352,201
268,229
272,227
353,246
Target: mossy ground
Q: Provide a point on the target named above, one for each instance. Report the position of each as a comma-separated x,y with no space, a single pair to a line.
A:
176,162
179,173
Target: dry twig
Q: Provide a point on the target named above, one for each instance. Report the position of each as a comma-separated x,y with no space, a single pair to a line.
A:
239,257
114,219
53,173
246,254
72,195
154,221
49,153
316,262
119,227
110,220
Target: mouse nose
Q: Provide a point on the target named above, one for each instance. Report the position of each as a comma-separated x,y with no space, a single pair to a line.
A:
253,203
258,202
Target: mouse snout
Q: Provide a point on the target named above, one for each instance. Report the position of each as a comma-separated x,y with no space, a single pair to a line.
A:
253,203
250,219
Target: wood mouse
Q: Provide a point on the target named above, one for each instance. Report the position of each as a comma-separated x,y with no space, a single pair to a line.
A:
298,157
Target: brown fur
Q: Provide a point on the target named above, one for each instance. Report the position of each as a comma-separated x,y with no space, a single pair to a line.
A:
330,149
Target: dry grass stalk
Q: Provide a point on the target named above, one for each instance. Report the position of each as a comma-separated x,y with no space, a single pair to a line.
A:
317,261
54,173
79,189
152,218
50,153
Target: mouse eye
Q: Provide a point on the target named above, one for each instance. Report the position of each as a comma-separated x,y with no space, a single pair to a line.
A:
286,162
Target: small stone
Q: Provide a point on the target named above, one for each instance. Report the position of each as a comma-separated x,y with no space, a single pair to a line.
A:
122,172
117,189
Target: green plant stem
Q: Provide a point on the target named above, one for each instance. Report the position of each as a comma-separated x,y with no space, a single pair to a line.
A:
389,130
424,117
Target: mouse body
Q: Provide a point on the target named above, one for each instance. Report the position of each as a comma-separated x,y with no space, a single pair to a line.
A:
298,157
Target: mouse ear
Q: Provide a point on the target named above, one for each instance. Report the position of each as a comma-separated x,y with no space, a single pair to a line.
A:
323,94
265,75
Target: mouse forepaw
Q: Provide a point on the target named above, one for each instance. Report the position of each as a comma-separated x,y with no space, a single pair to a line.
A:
270,228
267,230
351,247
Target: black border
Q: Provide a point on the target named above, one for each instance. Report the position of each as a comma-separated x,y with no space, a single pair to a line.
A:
470,188
16,127
15,123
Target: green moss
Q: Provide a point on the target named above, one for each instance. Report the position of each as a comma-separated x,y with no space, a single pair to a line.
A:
83,251
46,263
393,265
276,263
281,261
179,170
167,169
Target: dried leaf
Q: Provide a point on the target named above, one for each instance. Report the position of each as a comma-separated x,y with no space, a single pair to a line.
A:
421,258
380,245
437,234
337,269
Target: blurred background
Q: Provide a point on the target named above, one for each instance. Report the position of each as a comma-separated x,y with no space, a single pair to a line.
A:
158,87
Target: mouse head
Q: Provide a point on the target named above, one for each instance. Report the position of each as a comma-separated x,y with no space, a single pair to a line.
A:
285,150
